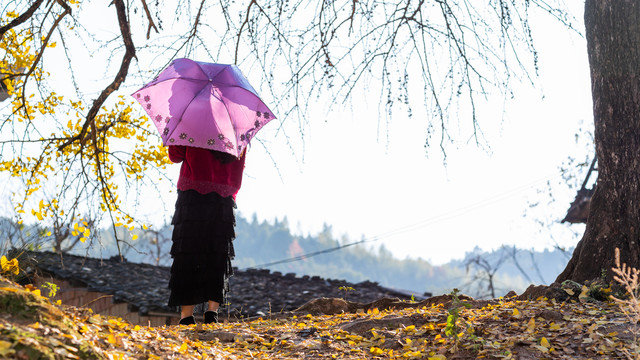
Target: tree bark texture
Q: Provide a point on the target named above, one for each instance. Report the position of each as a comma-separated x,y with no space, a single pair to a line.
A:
613,45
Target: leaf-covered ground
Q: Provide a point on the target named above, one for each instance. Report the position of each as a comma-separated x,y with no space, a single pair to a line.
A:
32,328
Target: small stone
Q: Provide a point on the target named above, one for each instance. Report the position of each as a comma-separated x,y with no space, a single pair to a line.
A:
511,294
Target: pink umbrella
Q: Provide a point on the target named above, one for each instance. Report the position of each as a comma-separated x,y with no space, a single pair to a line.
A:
205,105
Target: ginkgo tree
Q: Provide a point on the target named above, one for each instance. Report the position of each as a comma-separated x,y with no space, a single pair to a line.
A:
60,146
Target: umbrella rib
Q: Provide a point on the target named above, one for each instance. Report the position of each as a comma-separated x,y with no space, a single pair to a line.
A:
214,75
219,71
228,115
249,91
186,107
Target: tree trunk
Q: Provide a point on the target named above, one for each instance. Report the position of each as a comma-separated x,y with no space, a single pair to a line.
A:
613,45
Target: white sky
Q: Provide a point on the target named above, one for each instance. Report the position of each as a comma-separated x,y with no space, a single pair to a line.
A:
350,177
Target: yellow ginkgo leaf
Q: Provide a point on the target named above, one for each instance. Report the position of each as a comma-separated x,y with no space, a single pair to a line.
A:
569,291
544,342
437,357
583,294
9,265
5,348
516,312
531,325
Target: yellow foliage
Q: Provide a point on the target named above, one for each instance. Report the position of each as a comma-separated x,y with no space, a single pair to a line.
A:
6,349
531,325
545,343
77,145
9,266
516,313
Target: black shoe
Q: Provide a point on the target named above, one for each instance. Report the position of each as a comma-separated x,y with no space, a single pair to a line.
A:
189,320
210,317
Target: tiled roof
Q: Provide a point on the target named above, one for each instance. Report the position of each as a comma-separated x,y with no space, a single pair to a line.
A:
143,286
253,291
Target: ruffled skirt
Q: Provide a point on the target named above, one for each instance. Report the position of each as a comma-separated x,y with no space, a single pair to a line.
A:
202,249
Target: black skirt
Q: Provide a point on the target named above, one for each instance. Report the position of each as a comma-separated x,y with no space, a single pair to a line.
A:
202,250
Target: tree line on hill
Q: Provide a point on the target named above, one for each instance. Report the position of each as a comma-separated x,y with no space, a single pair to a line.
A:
272,245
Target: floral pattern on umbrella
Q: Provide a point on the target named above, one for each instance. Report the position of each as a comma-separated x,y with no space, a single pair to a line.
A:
204,105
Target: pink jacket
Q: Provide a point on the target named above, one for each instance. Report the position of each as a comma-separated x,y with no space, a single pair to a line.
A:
203,172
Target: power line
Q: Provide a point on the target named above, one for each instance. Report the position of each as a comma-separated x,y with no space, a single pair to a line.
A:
308,255
412,227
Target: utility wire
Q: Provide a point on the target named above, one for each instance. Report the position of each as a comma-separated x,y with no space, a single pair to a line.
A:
418,225
308,255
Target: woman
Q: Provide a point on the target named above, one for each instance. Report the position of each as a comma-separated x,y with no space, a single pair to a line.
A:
203,230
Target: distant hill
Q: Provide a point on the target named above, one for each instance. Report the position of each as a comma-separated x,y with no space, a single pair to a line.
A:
261,243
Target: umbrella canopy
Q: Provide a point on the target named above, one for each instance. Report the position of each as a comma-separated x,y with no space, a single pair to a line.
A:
205,105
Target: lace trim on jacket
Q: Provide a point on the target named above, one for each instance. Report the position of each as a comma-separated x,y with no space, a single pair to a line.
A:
205,187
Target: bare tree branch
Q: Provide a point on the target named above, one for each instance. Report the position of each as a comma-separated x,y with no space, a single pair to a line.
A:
130,53
22,18
244,23
152,25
